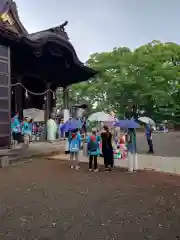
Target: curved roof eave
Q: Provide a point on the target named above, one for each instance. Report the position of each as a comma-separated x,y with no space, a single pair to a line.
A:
42,40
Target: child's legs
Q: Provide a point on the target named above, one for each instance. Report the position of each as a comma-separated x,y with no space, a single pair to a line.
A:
95,162
90,161
71,156
76,158
26,140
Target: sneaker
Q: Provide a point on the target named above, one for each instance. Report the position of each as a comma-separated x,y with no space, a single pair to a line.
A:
90,170
72,166
77,167
96,170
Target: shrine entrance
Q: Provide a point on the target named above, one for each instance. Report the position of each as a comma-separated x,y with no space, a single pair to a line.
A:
32,67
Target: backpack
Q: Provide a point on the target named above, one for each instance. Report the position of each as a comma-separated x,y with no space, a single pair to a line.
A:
93,144
74,143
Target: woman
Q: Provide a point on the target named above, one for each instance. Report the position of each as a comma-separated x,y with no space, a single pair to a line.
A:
107,149
16,129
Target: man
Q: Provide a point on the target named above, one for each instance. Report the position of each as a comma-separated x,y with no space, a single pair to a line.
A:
148,132
132,150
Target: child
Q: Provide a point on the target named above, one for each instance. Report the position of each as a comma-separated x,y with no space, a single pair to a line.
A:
93,150
26,131
74,141
122,146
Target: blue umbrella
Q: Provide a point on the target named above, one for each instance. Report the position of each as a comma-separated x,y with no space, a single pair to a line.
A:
71,125
126,124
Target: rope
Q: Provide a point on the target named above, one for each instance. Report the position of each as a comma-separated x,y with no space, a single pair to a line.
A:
34,93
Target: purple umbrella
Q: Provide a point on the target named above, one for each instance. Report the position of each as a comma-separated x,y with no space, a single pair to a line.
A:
71,125
126,124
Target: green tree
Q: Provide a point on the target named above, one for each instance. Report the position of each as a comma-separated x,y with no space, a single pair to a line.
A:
147,79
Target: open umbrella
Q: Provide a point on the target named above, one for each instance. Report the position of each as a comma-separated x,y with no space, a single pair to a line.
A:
126,124
101,117
71,125
147,120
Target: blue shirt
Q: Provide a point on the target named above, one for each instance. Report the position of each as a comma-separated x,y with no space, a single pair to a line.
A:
148,131
25,128
15,125
97,152
74,142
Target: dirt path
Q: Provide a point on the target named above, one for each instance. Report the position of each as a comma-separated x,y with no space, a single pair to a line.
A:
47,200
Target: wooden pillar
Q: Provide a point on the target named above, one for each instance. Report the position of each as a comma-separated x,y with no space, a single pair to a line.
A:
66,103
19,98
66,98
5,97
47,110
54,102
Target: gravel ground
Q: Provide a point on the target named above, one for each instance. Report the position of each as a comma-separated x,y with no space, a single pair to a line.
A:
47,200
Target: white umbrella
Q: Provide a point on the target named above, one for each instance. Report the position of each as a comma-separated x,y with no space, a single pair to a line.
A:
36,114
147,120
101,117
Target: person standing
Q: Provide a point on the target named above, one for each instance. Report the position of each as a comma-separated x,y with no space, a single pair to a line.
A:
93,150
16,129
26,132
148,132
132,150
107,149
61,133
51,130
74,141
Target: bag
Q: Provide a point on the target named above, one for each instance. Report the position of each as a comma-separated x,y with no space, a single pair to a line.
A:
93,145
74,143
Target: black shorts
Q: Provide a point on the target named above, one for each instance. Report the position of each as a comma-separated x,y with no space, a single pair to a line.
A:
16,137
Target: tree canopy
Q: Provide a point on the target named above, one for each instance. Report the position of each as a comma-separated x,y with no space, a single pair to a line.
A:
146,80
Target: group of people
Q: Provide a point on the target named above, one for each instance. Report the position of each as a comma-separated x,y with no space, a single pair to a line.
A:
21,131
105,137
93,149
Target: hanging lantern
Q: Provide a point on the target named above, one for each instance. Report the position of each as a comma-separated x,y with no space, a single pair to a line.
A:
54,97
45,98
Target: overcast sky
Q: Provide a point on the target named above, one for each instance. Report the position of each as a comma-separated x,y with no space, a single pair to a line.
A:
100,25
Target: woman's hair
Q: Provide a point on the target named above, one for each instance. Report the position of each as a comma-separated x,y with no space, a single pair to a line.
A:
106,128
75,130
107,133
